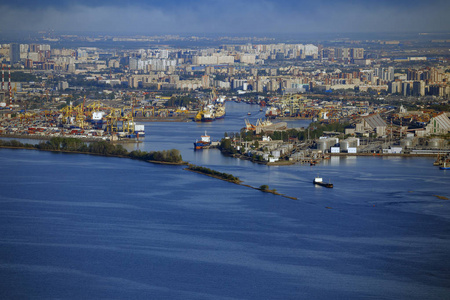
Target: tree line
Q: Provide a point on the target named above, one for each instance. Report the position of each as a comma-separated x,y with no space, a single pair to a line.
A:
214,173
68,144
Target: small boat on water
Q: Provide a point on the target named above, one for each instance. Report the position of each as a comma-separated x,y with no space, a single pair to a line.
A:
445,166
319,181
249,113
442,160
205,142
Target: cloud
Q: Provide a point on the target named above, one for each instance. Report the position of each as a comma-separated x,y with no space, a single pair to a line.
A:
226,16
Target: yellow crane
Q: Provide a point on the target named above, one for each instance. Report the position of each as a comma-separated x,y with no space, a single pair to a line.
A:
152,110
179,111
128,123
140,109
112,119
67,113
96,106
26,116
199,116
213,94
117,115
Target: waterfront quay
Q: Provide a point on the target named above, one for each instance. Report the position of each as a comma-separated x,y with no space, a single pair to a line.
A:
278,141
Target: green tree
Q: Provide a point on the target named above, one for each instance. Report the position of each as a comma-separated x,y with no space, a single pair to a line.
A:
264,187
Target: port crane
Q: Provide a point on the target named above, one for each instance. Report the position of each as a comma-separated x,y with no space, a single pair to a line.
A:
118,117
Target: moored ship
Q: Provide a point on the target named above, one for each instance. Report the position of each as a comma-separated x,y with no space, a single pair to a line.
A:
272,112
204,116
139,130
208,116
219,111
97,120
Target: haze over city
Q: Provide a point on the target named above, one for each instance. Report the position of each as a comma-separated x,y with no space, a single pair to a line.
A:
231,16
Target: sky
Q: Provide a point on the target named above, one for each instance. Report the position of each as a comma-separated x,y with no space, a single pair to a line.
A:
232,17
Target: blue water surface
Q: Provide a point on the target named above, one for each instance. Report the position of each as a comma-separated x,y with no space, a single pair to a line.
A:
87,227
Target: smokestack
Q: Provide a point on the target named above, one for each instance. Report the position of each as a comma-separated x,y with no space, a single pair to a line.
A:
9,83
3,77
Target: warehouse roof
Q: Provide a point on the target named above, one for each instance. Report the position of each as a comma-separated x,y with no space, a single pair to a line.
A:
375,121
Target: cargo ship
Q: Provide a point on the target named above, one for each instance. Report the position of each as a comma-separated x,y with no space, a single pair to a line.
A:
97,119
208,116
204,116
319,181
205,142
219,112
139,130
272,112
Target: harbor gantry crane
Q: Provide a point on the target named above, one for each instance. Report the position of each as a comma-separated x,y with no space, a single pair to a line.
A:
214,95
118,117
145,112
293,103
112,120
74,115
80,118
67,114
127,122
26,116
95,106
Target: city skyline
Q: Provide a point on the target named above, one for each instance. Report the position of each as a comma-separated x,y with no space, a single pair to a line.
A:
233,17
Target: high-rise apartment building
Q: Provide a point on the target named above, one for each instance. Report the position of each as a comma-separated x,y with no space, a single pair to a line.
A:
14,53
418,88
357,53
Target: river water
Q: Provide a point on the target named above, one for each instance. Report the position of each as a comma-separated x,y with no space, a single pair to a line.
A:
86,227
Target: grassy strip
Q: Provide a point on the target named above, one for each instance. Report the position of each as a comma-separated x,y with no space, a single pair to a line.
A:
213,173
232,179
265,188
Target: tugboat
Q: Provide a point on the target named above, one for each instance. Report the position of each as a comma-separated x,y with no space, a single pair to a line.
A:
205,142
445,166
319,181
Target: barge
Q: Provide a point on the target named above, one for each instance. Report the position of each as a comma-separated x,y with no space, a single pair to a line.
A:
319,181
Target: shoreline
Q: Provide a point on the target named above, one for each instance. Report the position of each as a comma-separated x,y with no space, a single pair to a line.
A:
385,154
235,155
182,163
158,119
293,162
84,139
292,118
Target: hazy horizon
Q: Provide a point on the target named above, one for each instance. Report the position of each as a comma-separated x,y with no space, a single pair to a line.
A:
229,17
